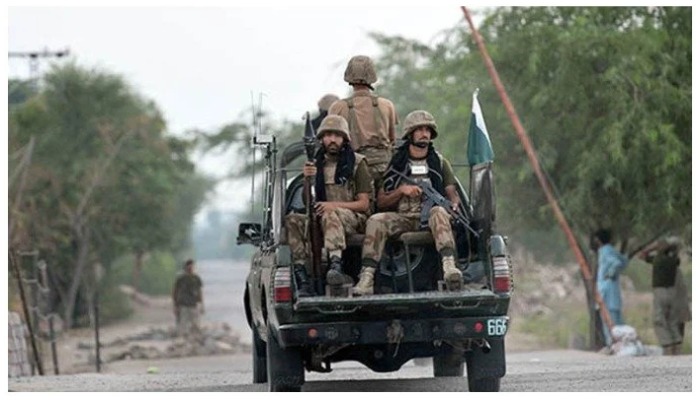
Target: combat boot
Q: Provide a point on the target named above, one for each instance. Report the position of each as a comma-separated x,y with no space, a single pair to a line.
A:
365,285
676,349
452,275
667,350
304,288
335,276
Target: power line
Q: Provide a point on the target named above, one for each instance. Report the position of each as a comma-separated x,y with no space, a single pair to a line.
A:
34,56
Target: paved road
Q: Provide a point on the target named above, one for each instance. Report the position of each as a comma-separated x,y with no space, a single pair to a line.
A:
549,371
224,283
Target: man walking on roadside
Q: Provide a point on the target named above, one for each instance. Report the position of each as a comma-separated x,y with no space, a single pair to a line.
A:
187,301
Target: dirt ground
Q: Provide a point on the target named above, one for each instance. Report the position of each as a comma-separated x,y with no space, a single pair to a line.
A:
156,312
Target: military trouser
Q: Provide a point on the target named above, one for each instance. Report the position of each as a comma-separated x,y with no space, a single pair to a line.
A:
335,225
187,320
382,226
666,319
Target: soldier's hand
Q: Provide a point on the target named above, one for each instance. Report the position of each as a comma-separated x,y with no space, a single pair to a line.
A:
410,190
309,169
455,206
323,207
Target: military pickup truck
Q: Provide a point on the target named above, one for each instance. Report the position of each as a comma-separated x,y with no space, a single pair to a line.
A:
410,315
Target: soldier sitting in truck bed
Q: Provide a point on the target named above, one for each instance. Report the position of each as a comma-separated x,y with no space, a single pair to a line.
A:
418,159
343,184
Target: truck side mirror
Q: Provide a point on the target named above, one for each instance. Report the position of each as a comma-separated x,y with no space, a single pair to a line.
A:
249,233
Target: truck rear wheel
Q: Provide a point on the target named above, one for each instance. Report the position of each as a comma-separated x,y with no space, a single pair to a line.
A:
484,385
285,367
259,359
448,364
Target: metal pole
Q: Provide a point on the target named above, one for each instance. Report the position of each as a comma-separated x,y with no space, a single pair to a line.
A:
96,309
46,309
18,275
530,151
54,354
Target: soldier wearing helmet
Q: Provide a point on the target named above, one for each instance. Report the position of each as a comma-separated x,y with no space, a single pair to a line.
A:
416,158
372,119
324,103
343,185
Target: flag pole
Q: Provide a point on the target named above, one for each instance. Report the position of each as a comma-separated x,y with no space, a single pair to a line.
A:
532,156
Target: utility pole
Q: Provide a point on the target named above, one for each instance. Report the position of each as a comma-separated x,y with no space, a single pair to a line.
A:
34,57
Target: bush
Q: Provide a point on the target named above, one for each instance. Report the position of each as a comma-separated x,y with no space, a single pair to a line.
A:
114,305
158,273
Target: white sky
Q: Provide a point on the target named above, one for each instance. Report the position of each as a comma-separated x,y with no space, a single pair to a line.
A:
201,65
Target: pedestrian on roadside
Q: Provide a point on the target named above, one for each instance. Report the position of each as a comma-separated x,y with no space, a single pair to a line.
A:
188,304
610,263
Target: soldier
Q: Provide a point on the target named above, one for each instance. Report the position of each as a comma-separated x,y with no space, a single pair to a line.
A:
187,296
372,119
342,184
324,103
416,158
668,305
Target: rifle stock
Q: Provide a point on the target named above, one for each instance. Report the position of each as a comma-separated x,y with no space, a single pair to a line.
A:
315,233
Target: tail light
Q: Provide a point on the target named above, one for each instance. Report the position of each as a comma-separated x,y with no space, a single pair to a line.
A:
282,285
502,275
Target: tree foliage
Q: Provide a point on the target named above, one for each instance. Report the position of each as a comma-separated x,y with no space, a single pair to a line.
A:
104,179
604,93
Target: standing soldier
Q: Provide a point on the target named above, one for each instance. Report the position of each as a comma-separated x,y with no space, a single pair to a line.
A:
324,103
342,185
418,159
187,296
372,119
668,318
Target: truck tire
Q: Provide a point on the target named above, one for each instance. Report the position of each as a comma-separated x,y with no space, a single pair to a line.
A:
259,359
485,385
448,364
285,367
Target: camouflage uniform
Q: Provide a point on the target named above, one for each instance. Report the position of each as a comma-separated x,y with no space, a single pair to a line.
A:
372,119
384,225
340,221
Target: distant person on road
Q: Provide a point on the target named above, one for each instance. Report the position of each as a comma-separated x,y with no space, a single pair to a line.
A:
670,296
610,263
187,301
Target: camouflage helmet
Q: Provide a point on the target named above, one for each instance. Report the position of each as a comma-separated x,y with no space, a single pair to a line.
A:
419,118
334,123
360,70
325,102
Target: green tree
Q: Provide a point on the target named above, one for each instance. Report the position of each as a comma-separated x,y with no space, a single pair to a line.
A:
103,178
604,93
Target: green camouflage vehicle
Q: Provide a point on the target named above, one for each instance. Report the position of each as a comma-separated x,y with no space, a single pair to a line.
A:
410,316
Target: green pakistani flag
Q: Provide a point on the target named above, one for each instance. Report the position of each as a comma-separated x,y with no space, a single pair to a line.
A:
478,144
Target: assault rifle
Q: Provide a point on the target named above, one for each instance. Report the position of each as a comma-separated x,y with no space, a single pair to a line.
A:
434,198
315,232
646,244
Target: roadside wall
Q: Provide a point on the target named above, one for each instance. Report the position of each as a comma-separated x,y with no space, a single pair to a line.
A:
17,355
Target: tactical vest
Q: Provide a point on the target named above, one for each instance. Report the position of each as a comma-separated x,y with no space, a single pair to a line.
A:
336,192
409,205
